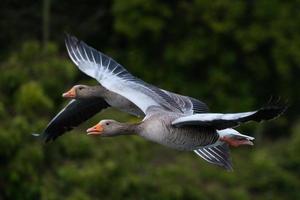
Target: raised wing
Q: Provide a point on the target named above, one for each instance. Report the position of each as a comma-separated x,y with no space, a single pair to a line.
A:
75,113
222,121
116,78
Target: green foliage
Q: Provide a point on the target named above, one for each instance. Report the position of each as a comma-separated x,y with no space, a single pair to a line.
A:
30,77
233,55
31,100
150,19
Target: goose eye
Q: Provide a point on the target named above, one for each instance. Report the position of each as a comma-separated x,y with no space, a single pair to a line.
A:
106,123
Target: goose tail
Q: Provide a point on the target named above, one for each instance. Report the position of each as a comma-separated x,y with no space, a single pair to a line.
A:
229,132
218,154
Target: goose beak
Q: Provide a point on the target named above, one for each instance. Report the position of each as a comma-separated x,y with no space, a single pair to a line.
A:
95,130
70,94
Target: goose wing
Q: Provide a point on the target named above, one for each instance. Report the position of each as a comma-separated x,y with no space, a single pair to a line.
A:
188,105
222,121
218,155
116,78
73,114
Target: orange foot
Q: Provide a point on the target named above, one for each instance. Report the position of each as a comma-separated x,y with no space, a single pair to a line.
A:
235,142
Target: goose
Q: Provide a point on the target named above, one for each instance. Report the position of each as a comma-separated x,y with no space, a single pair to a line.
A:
209,135
90,100
99,92
85,104
171,119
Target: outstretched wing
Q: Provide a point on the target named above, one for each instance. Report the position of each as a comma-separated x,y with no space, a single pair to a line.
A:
222,121
75,113
116,78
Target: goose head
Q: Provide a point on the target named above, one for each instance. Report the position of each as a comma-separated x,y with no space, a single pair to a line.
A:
111,128
82,91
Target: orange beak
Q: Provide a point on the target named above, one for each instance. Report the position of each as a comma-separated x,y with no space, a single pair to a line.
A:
70,94
95,130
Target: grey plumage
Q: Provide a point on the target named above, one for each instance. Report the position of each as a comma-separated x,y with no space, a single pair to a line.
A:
105,66
218,155
173,120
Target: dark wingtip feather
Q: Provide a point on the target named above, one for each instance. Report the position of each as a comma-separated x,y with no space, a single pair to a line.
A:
67,37
227,166
273,109
47,137
42,136
71,40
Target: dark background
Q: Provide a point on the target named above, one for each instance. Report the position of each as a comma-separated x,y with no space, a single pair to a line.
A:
234,55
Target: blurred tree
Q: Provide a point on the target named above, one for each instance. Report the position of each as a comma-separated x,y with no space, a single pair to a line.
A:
46,20
233,55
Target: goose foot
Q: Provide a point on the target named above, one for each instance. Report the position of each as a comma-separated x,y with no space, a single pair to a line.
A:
235,142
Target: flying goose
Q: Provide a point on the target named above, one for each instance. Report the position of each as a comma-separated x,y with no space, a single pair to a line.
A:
208,135
173,120
86,102
99,92
89,100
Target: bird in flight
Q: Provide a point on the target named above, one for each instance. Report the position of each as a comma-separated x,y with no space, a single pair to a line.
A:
173,120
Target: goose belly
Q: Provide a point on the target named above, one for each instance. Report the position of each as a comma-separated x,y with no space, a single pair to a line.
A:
180,138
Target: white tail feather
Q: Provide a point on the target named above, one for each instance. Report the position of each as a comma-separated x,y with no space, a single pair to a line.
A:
233,133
